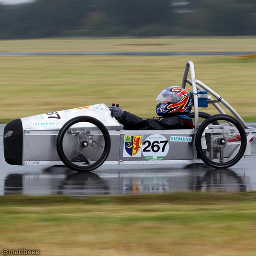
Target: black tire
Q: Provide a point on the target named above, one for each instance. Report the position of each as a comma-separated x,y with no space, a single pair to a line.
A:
201,115
222,140
84,162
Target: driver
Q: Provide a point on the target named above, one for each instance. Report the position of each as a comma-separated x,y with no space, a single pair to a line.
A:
174,103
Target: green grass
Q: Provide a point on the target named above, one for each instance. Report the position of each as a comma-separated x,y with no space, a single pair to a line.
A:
189,224
40,84
162,44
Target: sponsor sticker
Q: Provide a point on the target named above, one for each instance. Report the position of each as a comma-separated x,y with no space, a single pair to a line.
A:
155,147
132,146
82,108
97,107
32,162
46,123
181,139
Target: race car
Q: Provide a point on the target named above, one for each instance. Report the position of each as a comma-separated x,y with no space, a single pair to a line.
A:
84,138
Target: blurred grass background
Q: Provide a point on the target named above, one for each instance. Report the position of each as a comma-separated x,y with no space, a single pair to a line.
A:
119,44
177,224
39,84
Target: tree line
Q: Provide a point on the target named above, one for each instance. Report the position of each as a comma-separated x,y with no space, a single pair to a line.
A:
51,18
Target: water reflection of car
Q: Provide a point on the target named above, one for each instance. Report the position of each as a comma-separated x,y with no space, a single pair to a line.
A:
55,181
83,184
222,180
63,181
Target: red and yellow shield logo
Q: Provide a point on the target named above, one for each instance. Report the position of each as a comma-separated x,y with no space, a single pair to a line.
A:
132,144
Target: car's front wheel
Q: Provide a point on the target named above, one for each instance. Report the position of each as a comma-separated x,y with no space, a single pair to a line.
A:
83,143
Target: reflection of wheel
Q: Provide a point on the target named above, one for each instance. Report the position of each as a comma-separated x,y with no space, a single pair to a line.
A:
221,180
84,184
83,143
223,145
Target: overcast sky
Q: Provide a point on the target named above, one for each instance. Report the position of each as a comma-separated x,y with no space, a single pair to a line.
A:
14,1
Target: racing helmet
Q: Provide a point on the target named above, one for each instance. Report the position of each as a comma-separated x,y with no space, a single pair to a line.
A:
173,99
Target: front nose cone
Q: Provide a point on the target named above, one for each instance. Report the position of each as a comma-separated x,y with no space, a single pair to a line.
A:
13,142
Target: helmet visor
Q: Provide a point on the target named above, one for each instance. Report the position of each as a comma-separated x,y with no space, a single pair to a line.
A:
167,96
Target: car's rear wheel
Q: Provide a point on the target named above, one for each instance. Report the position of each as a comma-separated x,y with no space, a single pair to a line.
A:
202,116
221,145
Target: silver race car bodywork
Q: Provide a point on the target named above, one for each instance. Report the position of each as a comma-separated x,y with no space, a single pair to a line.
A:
86,137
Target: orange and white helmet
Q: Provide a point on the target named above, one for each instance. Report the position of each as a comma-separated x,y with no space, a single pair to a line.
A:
173,99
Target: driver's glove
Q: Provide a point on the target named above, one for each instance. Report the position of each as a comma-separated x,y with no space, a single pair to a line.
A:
116,112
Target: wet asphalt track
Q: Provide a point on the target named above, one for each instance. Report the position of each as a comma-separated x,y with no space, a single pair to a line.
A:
119,180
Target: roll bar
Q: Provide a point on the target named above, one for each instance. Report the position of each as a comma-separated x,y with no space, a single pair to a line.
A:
198,85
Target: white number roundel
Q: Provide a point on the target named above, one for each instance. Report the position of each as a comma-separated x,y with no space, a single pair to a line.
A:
155,147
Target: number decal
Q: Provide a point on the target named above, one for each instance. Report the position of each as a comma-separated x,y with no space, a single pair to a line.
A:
148,146
165,143
53,115
155,147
